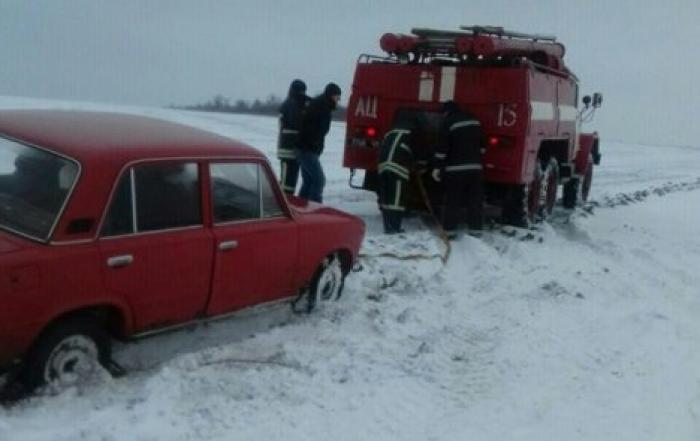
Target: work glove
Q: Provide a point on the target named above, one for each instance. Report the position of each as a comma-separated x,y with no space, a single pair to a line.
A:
436,175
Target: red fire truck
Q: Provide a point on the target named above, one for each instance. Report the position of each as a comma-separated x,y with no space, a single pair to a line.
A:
518,87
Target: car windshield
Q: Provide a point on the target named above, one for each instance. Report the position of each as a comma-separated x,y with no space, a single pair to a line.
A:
34,185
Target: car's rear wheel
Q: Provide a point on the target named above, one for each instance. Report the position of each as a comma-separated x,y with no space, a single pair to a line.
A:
67,354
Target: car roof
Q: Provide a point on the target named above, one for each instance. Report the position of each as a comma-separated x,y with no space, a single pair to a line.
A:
116,137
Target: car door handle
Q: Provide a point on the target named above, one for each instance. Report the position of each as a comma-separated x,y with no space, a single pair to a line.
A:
228,245
119,261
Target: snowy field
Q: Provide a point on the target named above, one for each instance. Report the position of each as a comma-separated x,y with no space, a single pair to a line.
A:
586,328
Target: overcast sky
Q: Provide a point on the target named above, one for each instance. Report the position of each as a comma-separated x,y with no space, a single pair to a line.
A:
642,55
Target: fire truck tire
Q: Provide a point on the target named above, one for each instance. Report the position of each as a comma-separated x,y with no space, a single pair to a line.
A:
587,180
577,189
520,206
533,208
550,185
570,193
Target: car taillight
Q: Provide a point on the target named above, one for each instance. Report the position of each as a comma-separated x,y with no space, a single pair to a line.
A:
371,132
493,141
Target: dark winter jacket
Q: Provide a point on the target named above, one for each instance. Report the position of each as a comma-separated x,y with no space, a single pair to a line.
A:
316,124
291,119
460,145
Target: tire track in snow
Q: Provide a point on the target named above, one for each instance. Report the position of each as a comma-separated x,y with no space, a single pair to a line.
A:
619,199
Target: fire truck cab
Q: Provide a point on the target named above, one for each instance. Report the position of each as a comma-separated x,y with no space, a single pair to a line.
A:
516,85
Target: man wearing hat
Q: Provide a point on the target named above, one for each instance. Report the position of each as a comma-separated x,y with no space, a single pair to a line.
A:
315,126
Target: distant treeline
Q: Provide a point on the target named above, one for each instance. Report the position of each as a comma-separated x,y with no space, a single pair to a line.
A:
271,106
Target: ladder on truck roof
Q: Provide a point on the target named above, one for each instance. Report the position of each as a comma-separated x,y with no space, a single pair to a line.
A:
501,32
442,39
482,41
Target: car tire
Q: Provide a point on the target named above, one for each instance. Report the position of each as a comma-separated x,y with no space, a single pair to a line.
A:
66,354
326,285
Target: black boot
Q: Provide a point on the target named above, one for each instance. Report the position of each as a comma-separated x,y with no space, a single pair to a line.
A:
392,221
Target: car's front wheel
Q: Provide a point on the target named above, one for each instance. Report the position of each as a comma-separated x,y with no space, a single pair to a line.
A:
326,285
67,354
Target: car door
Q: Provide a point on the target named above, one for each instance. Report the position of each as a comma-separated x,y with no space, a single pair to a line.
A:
256,239
155,250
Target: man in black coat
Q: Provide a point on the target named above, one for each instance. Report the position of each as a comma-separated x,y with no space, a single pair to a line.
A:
457,164
291,118
315,126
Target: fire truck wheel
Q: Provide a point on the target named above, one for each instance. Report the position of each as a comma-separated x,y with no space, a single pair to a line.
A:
587,180
570,193
548,193
518,206
575,190
66,354
535,195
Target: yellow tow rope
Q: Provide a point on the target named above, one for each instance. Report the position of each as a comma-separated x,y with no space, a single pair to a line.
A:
440,231
429,206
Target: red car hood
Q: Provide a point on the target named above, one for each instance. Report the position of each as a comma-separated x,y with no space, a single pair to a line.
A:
304,207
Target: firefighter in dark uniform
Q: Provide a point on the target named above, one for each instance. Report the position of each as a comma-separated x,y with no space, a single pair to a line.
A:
291,117
457,164
395,162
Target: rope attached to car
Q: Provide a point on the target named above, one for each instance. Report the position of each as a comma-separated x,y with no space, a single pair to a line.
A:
433,220
440,231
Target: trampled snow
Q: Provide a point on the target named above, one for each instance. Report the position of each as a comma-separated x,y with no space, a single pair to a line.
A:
585,328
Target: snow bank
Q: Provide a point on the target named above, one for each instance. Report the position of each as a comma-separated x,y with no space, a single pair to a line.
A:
585,328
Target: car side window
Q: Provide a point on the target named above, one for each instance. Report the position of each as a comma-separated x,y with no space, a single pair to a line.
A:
271,207
119,218
242,192
167,196
154,197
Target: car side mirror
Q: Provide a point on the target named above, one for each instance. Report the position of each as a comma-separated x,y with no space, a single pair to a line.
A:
587,101
597,100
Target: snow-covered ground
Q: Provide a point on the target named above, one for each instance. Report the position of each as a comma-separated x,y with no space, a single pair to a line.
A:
584,329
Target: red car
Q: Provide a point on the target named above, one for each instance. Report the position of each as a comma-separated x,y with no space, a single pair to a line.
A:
116,226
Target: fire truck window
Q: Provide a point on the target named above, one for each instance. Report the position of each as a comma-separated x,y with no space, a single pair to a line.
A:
167,196
271,207
119,218
236,192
